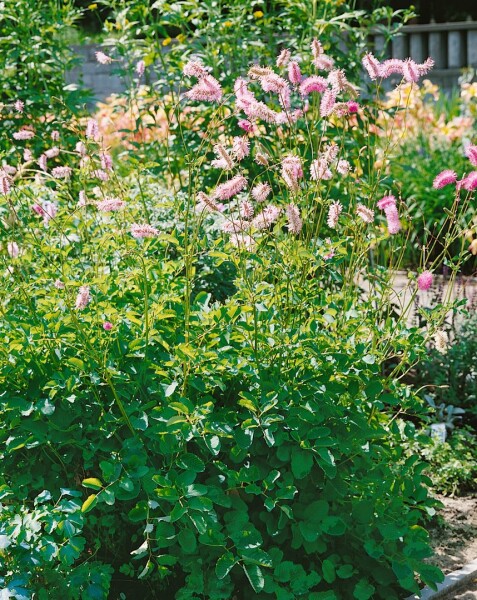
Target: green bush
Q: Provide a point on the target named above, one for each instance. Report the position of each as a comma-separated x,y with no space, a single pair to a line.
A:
247,443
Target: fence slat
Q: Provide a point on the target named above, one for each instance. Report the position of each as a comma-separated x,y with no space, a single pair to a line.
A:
472,48
438,48
417,47
456,55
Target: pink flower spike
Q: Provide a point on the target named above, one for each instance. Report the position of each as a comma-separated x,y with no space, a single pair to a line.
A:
55,135
295,223
469,183
392,217
92,129
261,192
110,204
424,281
283,59
294,73
386,202
103,58
23,134
140,68
4,184
59,285
13,249
471,152
143,231
107,326
364,213
230,188
62,172
353,106
328,101
372,66
315,83
245,125
194,68
334,214
19,106
83,298
410,71
444,178
208,89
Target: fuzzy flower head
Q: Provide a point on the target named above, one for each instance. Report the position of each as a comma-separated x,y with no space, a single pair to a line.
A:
19,106
52,152
334,214
61,172
13,249
143,231
23,134
107,326
294,73
103,58
372,66
5,181
386,202
319,170
110,204
469,183
471,153
194,68
208,89
140,68
315,83
424,281
261,192
364,213
230,188
92,129
240,147
83,298
444,178
283,58
267,217
245,125
441,341
294,221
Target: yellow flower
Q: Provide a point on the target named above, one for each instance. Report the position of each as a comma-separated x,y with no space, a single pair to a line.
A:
181,38
93,6
166,41
258,14
228,24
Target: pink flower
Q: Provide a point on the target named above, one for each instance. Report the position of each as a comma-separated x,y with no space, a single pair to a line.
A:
107,326
283,58
471,152
261,192
315,83
292,171
334,214
81,149
52,152
410,71
319,170
246,209
103,58
424,281
241,147
224,160
59,285
469,183
92,129
19,106
386,202
194,68
295,223
143,231
13,249
208,89
267,217
110,204
140,68
391,66
294,73
230,188
82,199
243,241
337,80
27,155
353,106
4,184
106,161
343,167
62,172
55,135
328,101
366,214
316,49
42,162
207,204
100,174
276,84
83,298
245,125
50,211
372,66
324,63
444,178
23,134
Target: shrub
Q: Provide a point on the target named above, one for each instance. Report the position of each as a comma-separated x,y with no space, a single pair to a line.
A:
244,444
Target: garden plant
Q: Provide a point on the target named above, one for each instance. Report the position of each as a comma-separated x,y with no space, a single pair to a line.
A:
201,368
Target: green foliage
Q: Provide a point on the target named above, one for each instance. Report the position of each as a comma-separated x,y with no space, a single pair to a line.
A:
453,463
36,54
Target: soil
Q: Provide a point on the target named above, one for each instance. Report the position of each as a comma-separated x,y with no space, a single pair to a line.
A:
454,538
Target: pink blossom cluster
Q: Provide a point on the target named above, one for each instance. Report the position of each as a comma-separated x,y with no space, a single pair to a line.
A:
408,69
388,204
207,89
449,177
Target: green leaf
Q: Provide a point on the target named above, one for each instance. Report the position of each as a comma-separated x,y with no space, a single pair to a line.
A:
326,460
301,463
328,568
430,575
255,576
187,541
89,503
363,590
92,482
225,564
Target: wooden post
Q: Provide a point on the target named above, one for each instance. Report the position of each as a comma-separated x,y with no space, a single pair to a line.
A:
456,50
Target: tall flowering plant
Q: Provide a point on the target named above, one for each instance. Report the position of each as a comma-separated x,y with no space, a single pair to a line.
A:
205,446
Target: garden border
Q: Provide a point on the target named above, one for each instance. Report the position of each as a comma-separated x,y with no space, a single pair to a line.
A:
453,582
